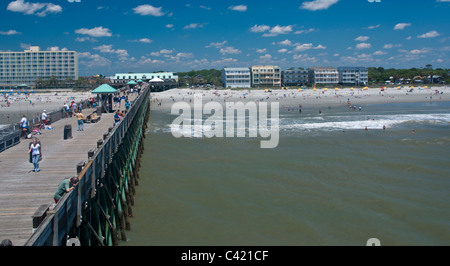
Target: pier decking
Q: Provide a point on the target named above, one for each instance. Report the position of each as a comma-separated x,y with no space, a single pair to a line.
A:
22,191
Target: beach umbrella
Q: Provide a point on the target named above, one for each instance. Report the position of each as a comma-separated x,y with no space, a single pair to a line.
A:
131,82
325,89
366,88
426,87
351,88
315,89
336,89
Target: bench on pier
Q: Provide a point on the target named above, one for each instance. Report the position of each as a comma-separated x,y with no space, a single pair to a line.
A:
40,215
92,118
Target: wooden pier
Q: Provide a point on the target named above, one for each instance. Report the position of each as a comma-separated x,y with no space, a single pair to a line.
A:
23,192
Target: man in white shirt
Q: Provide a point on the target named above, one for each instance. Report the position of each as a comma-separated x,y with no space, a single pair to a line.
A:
44,117
23,126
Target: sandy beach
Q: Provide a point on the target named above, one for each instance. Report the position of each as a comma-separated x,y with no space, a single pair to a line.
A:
293,98
33,104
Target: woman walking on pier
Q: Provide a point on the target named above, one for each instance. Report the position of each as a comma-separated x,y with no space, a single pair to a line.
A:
35,150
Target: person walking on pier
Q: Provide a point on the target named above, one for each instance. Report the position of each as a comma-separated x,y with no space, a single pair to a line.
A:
44,117
64,187
35,150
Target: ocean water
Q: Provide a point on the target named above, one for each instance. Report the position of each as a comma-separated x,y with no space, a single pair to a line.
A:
329,181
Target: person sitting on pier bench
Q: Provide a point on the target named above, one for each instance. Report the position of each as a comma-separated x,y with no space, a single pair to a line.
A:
65,186
117,117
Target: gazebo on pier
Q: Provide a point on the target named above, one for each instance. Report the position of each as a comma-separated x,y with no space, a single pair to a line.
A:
104,96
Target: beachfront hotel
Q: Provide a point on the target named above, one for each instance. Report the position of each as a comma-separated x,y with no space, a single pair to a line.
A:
266,76
292,77
353,76
124,78
323,75
17,68
236,77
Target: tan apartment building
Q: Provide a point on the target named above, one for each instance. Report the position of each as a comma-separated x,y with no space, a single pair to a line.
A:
266,76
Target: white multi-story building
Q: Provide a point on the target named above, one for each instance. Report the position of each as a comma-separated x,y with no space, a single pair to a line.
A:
123,78
236,77
266,76
26,67
353,76
324,75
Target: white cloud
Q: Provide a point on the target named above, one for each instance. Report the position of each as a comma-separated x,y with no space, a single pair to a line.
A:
95,32
180,56
374,27
194,26
390,46
419,51
143,40
362,38
148,10
401,26
10,32
165,52
261,51
277,30
94,60
169,26
56,48
229,50
217,44
363,45
305,31
379,53
285,43
282,51
145,60
318,4
308,46
28,8
266,56
240,8
121,53
260,28
430,34
85,39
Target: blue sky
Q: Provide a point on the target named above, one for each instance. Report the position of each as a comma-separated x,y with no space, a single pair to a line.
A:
143,36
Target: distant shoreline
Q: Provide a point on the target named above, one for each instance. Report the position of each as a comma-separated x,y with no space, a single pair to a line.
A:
319,98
